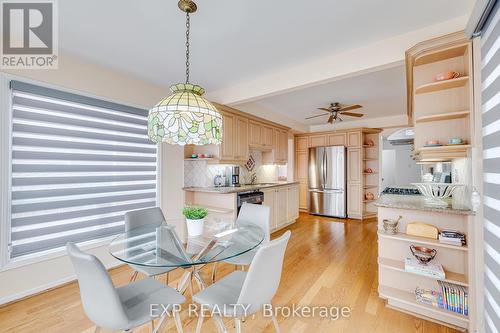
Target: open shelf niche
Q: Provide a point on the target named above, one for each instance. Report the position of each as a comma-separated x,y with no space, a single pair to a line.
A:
370,180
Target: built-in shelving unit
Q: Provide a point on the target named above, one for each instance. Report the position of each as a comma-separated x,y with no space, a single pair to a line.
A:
443,116
370,180
442,85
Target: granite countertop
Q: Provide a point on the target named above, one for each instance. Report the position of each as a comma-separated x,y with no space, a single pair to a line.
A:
242,188
417,202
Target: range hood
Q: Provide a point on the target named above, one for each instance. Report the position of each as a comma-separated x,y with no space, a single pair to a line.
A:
403,136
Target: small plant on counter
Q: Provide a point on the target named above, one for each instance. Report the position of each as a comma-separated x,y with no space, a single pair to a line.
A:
195,213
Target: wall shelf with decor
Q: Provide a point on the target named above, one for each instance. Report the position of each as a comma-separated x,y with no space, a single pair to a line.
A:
442,85
443,116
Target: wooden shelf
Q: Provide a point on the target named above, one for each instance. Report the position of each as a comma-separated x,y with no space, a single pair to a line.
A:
447,53
443,116
399,266
370,173
441,153
199,159
370,159
420,240
369,186
367,214
368,201
445,148
442,85
368,146
406,300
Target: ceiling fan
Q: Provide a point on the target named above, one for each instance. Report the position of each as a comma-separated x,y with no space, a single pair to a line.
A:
335,110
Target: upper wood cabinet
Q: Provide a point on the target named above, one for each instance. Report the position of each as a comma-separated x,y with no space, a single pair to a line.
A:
227,148
339,139
255,135
280,146
241,139
267,136
317,140
301,143
354,139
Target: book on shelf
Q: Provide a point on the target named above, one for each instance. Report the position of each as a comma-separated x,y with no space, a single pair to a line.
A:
452,237
429,297
451,241
435,271
455,297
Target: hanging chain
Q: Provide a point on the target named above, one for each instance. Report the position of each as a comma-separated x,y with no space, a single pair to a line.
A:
188,26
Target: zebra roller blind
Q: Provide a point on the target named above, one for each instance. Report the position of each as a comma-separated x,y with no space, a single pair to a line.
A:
78,164
490,97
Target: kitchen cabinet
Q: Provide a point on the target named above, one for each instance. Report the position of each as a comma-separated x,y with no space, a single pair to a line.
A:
227,148
301,164
241,139
339,139
255,135
354,201
353,165
293,203
283,204
354,139
303,195
280,146
301,143
267,136
317,141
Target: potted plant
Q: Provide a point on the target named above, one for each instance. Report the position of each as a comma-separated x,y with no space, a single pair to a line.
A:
195,218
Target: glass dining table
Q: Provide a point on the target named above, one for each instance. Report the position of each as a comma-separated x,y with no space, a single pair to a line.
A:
161,246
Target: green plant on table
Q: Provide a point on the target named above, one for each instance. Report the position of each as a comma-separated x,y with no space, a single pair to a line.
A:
194,213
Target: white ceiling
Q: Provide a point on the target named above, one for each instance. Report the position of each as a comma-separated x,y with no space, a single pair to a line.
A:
381,93
234,41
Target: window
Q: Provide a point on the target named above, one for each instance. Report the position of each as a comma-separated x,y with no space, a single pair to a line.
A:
77,165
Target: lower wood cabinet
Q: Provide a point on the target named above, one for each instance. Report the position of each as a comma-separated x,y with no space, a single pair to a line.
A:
354,201
284,205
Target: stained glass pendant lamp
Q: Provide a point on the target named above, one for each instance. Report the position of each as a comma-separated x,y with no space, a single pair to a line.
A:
185,117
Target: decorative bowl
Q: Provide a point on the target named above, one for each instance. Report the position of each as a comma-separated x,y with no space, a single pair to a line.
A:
446,76
423,254
435,193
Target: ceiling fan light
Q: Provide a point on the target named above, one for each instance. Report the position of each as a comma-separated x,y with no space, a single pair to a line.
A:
185,117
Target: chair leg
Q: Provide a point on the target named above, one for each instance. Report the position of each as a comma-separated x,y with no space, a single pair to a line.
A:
159,325
214,272
178,323
237,322
200,322
275,323
133,277
219,323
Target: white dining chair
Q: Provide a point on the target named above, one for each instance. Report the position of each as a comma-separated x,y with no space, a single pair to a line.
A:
252,289
140,218
123,308
259,215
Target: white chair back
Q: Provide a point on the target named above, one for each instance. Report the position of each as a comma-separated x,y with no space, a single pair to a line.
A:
100,300
143,217
264,275
259,215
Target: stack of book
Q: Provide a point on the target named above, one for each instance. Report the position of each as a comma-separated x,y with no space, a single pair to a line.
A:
429,297
435,271
455,297
452,237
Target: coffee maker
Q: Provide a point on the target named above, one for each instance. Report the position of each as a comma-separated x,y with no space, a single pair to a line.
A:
235,176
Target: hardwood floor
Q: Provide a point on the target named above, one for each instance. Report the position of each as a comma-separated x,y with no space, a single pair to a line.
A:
328,262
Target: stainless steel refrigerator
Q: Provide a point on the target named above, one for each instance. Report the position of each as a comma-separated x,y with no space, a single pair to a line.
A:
327,181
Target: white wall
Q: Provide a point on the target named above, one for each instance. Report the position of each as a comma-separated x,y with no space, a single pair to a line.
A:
75,74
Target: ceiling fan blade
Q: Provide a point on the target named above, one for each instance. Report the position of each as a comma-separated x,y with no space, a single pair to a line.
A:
331,119
325,109
350,107
352,114
319,115
340,119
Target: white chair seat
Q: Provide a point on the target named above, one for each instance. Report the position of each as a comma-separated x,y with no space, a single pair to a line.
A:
243,259
138,296
223,294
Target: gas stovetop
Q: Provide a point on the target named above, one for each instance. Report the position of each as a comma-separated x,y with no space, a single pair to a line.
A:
401,191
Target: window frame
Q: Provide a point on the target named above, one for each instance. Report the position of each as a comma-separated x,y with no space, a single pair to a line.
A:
6,262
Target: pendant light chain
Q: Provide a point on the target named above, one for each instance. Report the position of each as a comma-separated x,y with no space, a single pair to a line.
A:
188,26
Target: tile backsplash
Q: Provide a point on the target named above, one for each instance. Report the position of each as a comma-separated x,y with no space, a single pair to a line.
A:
202,174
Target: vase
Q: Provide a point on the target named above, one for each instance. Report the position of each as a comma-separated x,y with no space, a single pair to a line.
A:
195,227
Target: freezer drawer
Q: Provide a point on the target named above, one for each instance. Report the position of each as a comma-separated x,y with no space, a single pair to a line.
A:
328,203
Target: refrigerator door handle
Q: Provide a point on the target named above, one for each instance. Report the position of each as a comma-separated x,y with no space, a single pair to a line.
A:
324,168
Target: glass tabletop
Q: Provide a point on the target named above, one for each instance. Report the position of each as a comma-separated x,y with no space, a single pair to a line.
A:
162,247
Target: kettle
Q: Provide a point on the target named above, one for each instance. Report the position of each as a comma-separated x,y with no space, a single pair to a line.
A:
218,181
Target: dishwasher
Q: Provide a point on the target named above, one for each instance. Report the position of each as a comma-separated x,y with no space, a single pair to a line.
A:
252,197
